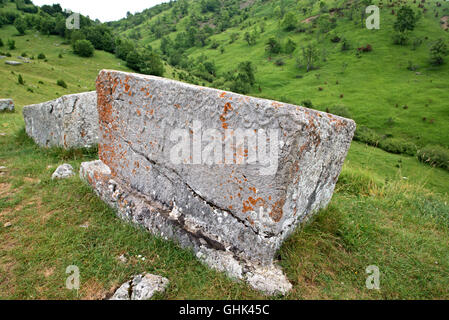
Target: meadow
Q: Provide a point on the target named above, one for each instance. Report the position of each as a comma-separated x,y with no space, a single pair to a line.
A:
388,210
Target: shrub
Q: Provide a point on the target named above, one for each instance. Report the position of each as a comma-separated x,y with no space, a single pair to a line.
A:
61,83
1,43
367,135
434,155
41,56
83,48
11,44
438,51
398,146
20,80
24,54
307,104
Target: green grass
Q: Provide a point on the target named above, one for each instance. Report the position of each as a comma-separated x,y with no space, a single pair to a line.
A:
375,218
388,210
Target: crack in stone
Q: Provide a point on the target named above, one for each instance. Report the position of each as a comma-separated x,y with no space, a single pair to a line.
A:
209,203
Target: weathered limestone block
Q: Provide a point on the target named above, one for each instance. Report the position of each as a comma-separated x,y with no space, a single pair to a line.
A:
13,63
6,105
229,175
70,121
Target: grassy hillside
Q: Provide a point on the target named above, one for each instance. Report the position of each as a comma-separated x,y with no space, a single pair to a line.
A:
388,210
375,88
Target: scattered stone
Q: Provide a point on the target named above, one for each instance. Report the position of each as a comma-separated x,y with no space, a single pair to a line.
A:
3,168
69,122
2,134
6,105
25,60
234,214
123,258
85,225
7,224
141,287
63,172
2,57
13,63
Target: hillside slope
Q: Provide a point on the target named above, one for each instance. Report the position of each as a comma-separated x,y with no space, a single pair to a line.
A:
374,88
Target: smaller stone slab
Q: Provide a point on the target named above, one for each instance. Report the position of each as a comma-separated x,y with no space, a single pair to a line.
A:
69,122
6,105
13,63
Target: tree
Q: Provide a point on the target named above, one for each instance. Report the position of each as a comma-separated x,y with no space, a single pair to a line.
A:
133,60
11,44
152,64
406,20
290,46
289,22
438,51
272,46
246,72
83,48
310,56
123,48
250,38
20,25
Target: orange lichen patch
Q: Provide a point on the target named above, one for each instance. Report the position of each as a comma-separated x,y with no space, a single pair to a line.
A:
177,106
276,104
223,95
247,207
253,189
138,112
251,221
255,201
277,211
227,108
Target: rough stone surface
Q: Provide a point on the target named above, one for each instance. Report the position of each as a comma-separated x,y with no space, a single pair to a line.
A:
234,215
63,172
70,121
6,105
141,287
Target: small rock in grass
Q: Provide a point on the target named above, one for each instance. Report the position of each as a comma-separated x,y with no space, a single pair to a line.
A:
63,172
123,258
6,105
141,287
7,224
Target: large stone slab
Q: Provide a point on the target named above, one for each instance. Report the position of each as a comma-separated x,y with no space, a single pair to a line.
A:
174,159
70,121
6,105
